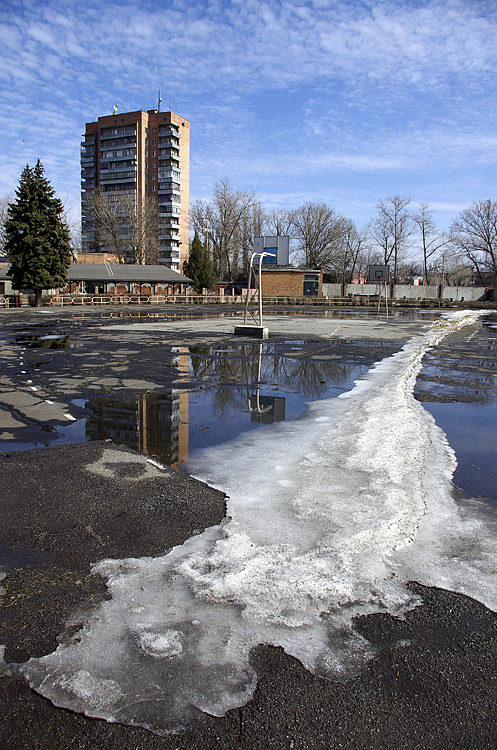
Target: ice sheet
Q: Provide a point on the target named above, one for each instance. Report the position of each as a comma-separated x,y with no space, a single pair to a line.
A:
329,517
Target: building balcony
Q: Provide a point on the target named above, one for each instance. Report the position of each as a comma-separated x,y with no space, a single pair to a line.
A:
129,172
169,211
168,238
168,252
123,133
169,203
168,130
169,223
119,144
170,183
172,159
130,182
167,142
169,196
169,175
119,187
109,156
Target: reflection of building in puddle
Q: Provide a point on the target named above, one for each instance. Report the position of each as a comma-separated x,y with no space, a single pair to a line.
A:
154,423
266,409
150,423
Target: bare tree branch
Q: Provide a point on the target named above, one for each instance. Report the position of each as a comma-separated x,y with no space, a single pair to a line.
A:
474,233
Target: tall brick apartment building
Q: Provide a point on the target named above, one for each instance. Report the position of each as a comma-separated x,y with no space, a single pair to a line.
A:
145,154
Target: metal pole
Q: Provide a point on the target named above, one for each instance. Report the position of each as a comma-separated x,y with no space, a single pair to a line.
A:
247,299
260,289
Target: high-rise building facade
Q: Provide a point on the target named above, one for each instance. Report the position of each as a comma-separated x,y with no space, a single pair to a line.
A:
145,155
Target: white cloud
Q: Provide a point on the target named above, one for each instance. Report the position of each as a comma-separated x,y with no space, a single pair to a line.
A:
304,91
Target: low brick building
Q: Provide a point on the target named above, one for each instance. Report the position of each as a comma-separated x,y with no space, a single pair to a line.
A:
279,281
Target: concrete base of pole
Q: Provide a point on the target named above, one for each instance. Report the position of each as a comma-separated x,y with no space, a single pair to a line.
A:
258,332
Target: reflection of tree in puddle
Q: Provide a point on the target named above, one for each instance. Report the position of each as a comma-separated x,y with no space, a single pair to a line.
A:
255,378
245,371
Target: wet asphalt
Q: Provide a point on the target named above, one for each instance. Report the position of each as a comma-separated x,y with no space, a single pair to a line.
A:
433,683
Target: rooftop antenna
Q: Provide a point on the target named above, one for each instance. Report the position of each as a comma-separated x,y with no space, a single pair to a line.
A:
159,102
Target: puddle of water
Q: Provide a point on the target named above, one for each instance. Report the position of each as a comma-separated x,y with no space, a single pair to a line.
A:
230,390
19,558
223,391
458,386
472,433
339,313
51,341
226,390
75,432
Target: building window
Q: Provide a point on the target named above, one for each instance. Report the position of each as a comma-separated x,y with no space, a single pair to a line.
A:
154,187
153,141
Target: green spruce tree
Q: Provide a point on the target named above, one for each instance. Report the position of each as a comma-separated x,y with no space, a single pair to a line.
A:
199,267
37,237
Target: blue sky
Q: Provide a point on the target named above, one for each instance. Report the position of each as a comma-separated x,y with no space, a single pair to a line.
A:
343,102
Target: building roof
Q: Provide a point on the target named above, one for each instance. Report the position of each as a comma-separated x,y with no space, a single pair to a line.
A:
118,272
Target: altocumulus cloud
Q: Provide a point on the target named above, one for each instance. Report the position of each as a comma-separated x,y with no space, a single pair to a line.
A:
312,90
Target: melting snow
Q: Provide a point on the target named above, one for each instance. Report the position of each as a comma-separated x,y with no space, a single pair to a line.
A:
329,517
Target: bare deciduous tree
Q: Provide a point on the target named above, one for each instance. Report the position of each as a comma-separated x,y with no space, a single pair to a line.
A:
392,229
278,223
222,221
431,240
347,258
474,234
319,232
144,231
127,226
251,225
